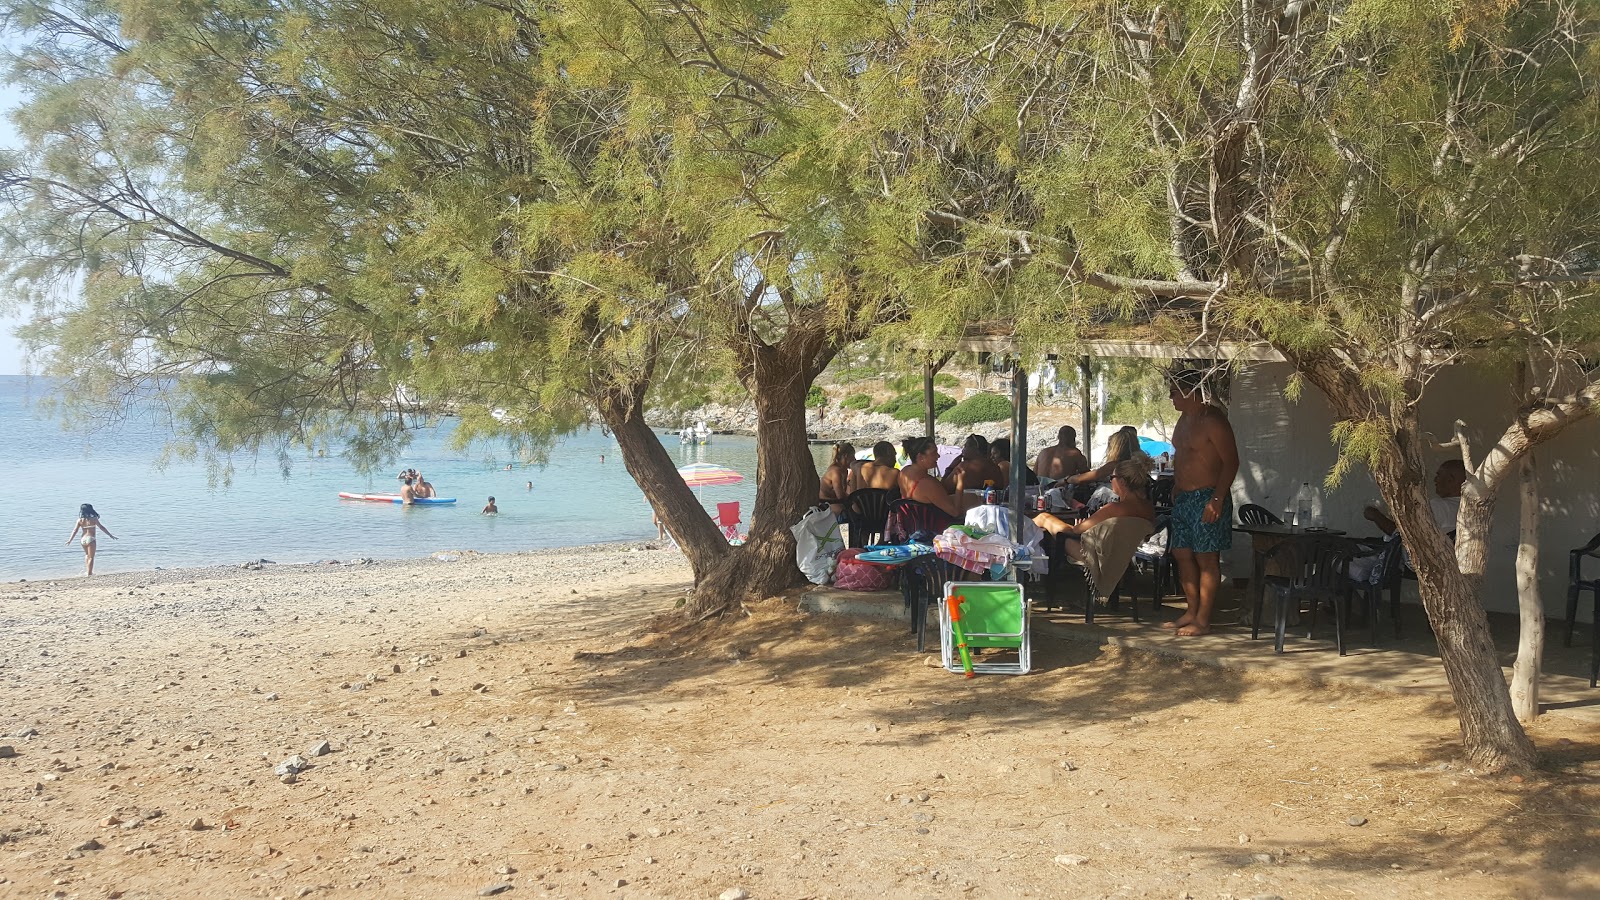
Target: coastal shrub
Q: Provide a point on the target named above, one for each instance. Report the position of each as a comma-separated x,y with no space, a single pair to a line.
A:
908,381
945,379
978,408
815,396
909,406
856,401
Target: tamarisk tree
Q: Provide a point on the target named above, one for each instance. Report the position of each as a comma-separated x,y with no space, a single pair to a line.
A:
1377,189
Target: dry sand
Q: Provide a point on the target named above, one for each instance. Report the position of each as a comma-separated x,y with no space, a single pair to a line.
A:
516,721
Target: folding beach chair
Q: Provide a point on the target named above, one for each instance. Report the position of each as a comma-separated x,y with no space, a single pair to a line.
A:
728,518
993,615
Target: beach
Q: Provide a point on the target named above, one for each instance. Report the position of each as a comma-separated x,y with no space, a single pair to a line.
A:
539,724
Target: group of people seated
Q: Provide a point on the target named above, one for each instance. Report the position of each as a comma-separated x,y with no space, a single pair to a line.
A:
982,464
1119,486
414,487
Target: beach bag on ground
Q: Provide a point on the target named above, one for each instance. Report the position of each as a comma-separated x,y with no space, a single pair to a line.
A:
817,542
854,575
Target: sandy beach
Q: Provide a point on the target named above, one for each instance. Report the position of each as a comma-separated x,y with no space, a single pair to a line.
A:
528,724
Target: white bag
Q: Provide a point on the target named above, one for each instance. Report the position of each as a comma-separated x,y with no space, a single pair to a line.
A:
817,543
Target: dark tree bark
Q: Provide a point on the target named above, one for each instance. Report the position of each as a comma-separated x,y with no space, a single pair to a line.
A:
1492,737
652,468
777,376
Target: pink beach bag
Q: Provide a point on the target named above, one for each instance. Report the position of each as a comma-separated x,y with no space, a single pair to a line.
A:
853,575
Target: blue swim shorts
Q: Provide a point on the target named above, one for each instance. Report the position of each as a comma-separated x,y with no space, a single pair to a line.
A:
1190,531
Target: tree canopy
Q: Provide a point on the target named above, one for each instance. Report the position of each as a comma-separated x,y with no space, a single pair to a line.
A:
314,211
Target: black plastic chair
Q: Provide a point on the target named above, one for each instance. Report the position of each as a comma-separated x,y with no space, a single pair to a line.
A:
1161,494
935,572
1156,558
1316,570
1386,577
1577,584
1254,514
867,513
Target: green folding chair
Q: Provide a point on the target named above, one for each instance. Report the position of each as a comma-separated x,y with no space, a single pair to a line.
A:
993,615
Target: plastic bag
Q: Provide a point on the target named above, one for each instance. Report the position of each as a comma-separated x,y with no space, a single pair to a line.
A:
817,543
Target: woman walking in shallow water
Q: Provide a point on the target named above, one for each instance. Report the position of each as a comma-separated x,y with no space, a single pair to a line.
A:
88,523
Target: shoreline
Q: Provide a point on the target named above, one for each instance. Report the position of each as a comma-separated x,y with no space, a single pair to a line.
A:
360,564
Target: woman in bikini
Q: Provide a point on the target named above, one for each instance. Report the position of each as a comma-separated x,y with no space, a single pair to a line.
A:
88,523
836,480
919,484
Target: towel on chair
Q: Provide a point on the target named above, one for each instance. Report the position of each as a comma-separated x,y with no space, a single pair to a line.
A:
1108,549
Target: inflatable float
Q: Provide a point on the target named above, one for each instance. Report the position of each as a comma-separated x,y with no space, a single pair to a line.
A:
394,498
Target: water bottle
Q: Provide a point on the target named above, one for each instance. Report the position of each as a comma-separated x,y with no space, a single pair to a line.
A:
1303,503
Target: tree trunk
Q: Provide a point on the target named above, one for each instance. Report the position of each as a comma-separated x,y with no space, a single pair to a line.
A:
653,470
1449,579
1493,739
777,376
1530,606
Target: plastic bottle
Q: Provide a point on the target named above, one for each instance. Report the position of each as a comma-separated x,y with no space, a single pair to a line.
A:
1303,503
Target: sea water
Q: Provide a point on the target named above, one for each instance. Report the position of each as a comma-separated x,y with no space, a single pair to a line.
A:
170,516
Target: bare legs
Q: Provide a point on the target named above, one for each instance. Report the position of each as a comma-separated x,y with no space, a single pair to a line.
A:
88,558
1199,574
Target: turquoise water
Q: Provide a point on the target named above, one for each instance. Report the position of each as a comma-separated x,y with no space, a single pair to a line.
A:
169,517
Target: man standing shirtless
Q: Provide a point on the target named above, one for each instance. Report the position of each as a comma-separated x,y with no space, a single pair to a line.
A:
1205,461
1064,460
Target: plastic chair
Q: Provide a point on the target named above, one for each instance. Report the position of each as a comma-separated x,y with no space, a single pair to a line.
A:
728,519
909,517
1316,570
1102,573
1254,514
1161,493
1158,559
994,615
935,574
867,512
1391,560
1576,585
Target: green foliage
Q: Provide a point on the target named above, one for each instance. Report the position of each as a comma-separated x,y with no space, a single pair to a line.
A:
945,379
856,401
815,396
910,406
978,408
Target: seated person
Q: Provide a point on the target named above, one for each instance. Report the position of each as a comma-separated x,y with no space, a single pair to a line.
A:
1447,482
1064,460
917,481
836,480
1130,479
879,472
973,470
1000,453
1122,446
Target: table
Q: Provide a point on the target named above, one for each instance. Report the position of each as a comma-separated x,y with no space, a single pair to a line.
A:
1266,536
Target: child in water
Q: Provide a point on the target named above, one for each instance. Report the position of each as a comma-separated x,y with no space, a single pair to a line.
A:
490,509
88,522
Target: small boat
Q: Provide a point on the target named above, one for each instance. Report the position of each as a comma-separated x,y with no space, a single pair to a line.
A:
695,434
394,498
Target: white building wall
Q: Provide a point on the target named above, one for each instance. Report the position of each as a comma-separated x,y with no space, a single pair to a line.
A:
1282,444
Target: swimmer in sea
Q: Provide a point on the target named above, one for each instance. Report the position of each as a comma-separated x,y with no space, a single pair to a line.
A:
88,522
490,509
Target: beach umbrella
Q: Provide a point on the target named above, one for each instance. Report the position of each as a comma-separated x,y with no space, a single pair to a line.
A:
1153,447
698,475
